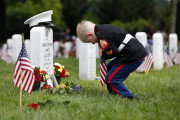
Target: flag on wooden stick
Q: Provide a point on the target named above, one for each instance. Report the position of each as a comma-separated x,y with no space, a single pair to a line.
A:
148,61
103,71
23,72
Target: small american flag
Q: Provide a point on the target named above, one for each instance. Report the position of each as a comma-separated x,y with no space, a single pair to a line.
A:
177,57
7,55
167,59
148,60
103,71
23,65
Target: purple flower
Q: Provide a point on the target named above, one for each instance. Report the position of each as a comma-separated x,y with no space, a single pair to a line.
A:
77,88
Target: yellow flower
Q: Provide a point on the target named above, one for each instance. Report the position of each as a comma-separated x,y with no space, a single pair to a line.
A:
64,86
46,76
67,73
60,70
146,71
58,86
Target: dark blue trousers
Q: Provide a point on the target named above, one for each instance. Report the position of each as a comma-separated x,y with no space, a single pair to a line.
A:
117,74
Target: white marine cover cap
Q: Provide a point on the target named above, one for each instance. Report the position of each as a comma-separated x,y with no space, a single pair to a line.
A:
42,17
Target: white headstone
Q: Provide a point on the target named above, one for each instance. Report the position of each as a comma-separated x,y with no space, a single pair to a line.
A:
41,48
77,47
158,51
56,49
87,61
16,46
67,48
27,44
41,41
142,38
173,44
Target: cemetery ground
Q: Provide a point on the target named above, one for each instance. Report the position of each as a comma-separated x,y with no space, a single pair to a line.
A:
158,93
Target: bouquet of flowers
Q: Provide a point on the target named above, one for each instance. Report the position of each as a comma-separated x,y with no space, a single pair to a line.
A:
40,76
59,71
65,89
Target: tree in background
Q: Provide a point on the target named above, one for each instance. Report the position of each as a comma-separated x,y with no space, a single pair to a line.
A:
19,11
174,4
132,15
178,21
125,10
73,10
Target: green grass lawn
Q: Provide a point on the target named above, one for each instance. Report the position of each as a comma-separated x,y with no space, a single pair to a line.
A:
159,93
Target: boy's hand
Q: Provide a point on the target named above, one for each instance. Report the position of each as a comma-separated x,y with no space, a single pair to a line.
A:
100,51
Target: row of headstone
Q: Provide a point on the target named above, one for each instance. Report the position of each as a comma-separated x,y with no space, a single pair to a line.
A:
40,49
157,49
14,46
87,53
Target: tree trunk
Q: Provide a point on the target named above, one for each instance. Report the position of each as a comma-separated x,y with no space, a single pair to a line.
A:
174,4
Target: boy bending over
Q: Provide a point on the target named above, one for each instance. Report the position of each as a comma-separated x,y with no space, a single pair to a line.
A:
127,53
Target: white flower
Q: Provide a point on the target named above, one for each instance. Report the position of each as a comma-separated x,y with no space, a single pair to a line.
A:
57,64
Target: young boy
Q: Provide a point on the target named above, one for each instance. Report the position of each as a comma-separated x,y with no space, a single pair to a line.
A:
127,53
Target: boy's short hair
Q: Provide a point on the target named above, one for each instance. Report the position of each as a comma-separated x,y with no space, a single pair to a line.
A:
83,28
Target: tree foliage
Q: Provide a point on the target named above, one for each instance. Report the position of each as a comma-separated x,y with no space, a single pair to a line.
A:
73,10
132,26
129,14
17,12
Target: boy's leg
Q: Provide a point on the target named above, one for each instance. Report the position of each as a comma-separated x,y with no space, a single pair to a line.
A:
116,75
109,65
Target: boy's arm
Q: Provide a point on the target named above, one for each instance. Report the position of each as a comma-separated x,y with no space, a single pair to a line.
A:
106,50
